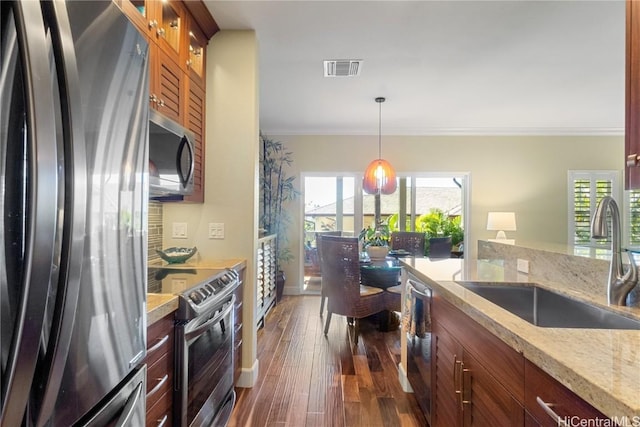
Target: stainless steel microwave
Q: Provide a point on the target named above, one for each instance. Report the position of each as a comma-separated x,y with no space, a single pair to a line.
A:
171,157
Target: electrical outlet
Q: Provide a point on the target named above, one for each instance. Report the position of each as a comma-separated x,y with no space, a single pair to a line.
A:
179,230
523,265
216,230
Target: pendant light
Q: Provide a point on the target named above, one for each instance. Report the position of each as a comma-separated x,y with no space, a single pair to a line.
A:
379,177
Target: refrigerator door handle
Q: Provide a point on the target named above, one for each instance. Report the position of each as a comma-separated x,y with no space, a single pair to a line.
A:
130,407
42,205
73,234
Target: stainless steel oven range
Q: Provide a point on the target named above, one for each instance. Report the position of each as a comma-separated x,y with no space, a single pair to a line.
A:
203,389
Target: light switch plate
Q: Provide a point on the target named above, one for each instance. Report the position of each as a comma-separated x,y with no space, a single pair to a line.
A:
216,230
179,230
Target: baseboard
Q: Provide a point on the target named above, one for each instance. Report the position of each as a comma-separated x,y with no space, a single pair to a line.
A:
404,381
248,377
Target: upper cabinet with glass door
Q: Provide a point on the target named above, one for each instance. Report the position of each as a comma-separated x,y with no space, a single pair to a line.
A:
162,21
197,47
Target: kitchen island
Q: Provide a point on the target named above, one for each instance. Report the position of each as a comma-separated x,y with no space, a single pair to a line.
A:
600,366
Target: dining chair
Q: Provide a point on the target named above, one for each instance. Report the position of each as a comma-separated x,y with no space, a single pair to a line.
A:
440,247
319,236
340,259
410,241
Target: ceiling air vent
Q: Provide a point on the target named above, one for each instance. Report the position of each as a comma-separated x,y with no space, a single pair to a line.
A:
342,67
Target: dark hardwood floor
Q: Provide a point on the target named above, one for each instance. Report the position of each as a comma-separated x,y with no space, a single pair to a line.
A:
307,379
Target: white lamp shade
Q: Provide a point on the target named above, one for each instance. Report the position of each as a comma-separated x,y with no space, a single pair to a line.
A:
501,222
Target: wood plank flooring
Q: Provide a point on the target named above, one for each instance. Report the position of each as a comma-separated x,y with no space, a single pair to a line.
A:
307,379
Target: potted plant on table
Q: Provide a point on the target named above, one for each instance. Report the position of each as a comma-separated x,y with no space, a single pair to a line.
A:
276,189
376,240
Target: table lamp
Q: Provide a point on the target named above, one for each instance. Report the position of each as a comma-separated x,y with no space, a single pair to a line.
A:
501,222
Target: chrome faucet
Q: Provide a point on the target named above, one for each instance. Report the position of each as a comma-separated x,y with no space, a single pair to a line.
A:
620,283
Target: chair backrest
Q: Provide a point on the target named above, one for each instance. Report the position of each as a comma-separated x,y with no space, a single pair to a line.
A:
319,236
340,261
410,241
440,247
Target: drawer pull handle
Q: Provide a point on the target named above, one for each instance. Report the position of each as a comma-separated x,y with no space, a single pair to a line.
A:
159,344
162,421
547,408
632,160
158,386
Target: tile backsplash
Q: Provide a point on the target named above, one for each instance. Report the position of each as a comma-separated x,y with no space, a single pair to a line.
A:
155,240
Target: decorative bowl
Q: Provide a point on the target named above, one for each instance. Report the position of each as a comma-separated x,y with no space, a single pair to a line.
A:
177,255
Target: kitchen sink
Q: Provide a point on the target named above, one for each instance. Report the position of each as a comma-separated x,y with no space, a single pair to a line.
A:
542,307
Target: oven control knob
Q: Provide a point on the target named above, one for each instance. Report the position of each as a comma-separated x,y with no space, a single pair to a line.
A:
209,289
195,297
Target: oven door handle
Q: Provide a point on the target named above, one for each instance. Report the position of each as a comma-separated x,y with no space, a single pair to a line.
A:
202,328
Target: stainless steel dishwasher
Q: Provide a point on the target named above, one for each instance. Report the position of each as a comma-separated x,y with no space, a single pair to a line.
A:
419,343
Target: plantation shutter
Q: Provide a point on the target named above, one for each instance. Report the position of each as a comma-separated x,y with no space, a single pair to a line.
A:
634,217
587,189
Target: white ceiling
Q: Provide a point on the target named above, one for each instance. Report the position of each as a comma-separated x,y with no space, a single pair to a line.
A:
445,67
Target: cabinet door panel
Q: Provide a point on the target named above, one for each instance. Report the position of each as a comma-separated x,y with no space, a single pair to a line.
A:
489,403
195,122
445,352
170,87
504,363
632,116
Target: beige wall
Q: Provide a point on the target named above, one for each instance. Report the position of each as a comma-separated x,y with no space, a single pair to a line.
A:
524,174
230,169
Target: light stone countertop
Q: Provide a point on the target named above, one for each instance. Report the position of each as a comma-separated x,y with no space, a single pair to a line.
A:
601,366
215,264
159,305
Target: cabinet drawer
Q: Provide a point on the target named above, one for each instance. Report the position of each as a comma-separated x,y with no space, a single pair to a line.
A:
161,413
160,338
565,403
159,377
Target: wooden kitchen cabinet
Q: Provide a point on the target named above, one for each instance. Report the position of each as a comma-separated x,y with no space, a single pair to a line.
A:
178,33
167,91
478,379
196,57
160,368
195,121
562,401
632,112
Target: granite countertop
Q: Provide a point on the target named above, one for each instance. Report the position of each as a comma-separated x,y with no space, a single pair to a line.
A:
159,304
215,264
600,366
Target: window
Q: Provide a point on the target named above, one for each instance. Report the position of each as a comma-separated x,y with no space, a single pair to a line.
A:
336,202
586,189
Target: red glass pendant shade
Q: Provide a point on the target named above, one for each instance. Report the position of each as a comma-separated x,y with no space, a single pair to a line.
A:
379,177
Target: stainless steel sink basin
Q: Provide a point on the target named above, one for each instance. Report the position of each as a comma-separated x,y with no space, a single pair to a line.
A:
548,309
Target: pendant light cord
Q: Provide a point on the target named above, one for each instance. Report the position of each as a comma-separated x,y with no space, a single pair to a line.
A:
380,100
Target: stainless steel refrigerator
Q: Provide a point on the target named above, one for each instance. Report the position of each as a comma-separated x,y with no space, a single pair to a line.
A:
73,214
